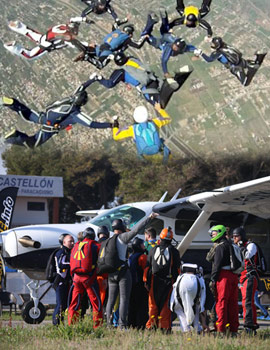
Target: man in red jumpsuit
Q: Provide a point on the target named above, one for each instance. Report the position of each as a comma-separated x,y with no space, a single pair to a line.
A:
83,266
248,279
224,283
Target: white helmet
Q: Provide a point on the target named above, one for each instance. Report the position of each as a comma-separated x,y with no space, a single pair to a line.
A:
140,114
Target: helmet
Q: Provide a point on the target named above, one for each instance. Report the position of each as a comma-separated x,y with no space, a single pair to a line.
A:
104,230
74,27
140,114
89,233
137,245
166,233
191,20
220,229
61,237
181,45
217,43
80,98
120,58
129,29
101,3
239,231
118,224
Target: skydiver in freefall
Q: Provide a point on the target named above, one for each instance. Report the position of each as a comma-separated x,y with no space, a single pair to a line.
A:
57,37
168,43
99,7
145,133
117,40
59,115
244,70
135,73
192,16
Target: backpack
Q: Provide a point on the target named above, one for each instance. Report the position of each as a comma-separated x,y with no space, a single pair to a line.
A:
233,55
50,271
261,265
147,138
115,39
236,259
162,261
81,258
108,258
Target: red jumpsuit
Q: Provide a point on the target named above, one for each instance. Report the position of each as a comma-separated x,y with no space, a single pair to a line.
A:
85,281
226,289
249,284
160,290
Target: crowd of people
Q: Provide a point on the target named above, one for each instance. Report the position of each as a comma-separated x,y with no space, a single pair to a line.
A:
147,284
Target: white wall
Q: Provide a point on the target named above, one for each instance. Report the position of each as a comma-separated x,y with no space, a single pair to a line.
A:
22,216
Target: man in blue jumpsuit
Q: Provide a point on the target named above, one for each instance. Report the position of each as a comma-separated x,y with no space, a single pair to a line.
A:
118,40
168,43
63,280
57,116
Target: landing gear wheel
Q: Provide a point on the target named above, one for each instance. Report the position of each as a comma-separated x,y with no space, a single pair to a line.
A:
31,316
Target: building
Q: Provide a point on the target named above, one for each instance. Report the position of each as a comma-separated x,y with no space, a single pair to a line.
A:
34,192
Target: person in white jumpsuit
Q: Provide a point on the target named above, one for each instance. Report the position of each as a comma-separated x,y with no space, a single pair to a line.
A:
188,298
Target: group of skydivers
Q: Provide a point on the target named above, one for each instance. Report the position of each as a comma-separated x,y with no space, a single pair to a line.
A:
155,90
142,284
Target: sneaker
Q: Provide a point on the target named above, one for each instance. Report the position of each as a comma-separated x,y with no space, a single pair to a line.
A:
17,27
6,101
154,17
12,133
163,12
260,54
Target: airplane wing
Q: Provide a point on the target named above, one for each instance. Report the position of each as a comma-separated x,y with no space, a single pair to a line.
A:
252,197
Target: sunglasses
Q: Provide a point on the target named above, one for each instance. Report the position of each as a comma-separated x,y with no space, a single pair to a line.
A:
236,236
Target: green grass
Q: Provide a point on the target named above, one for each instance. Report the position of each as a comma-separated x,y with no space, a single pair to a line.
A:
82,335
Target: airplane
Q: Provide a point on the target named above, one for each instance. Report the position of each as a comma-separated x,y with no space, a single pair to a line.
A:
246,204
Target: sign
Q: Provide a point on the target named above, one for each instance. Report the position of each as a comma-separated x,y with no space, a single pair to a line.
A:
34,186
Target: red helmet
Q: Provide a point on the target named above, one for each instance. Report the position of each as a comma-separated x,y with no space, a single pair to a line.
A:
166,233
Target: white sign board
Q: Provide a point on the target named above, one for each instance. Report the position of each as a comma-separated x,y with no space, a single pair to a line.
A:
34,186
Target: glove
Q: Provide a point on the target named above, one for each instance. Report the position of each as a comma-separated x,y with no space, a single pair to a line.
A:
115,122
212,286
207,39
197,52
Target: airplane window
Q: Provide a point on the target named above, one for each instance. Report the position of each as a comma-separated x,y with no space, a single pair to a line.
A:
128,214
182,227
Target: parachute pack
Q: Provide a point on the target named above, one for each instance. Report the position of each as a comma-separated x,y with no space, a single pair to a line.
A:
50,271
147,138
81,258
108,259
261,265
233,55
162,262
236,259
115,39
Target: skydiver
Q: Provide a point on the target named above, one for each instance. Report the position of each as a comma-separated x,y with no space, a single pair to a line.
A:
117,40
232,59
57,116
168,43
145,133
57,37
99,7
139,75
191,16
